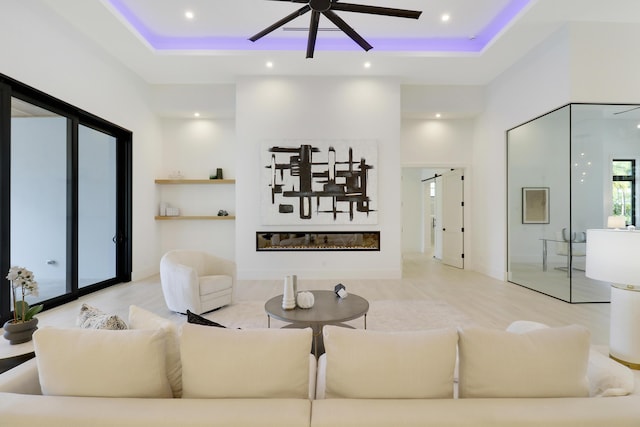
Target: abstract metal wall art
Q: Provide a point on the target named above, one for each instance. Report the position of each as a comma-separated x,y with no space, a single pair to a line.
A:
320,183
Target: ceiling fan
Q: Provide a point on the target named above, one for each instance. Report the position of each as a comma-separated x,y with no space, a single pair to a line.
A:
326,8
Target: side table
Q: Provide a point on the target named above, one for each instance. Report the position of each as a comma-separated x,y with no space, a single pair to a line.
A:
328,309
13,355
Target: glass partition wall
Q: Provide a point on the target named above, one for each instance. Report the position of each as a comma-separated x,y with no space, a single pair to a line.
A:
568,171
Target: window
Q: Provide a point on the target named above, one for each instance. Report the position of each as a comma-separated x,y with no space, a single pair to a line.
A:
65,194
623,189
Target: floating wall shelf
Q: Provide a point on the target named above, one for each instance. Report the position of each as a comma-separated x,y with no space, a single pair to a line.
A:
197,182
189,217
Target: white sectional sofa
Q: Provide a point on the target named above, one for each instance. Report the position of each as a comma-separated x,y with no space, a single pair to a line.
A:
203,376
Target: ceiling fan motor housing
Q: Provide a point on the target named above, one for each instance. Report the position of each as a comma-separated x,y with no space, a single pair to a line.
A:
320,5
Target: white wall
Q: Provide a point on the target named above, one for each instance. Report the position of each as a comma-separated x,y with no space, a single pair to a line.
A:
194,147
272,109
535,85
605,67
446,144
59,61
437,143
412,210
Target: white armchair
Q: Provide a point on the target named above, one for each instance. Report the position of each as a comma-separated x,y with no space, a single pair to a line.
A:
196,281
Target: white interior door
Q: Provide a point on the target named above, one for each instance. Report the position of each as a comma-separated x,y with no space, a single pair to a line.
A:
453,218
438,209
428,237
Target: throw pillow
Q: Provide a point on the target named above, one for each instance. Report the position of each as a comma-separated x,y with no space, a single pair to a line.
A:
143,319
94,318
548,362
367,364
101,363
607,377
199,320
244,363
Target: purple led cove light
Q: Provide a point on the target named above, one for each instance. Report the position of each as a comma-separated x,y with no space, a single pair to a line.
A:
451,44
500,21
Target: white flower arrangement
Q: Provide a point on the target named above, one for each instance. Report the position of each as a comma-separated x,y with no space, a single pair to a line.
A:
23,279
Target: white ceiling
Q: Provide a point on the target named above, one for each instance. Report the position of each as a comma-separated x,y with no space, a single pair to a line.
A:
234,21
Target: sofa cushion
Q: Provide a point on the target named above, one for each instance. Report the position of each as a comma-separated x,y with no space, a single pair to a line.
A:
244,363
607,377
552,412
101,363
549,362
93,318
51,411
389,365
140,318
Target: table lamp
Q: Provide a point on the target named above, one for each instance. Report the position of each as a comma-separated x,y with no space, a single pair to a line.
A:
612,256
616,221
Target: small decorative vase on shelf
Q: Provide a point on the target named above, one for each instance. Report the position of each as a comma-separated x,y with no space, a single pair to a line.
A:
21,332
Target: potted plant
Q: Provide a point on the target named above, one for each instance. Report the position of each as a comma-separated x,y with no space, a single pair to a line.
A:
23,325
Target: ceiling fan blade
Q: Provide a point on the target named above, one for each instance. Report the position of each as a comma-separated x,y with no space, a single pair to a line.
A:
313,33
376,10
281,22
338,22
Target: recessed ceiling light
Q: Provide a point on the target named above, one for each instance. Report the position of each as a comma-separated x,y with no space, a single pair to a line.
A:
638,126
269,64
438,115
196,114
367,64
189,14
445,17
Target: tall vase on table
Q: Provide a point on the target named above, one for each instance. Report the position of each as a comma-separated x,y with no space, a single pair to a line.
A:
288,294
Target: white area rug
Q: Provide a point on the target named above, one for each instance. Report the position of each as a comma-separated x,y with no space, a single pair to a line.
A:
386,315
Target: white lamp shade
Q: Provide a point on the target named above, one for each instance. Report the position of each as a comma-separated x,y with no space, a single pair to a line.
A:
612,256
617,221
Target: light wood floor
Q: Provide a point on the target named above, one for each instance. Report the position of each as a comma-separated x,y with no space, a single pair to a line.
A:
487,301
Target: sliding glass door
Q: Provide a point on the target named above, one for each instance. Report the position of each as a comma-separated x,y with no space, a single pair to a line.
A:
39,196
65,197
97,225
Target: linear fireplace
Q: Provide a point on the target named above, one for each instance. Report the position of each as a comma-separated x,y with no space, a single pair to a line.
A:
318,241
